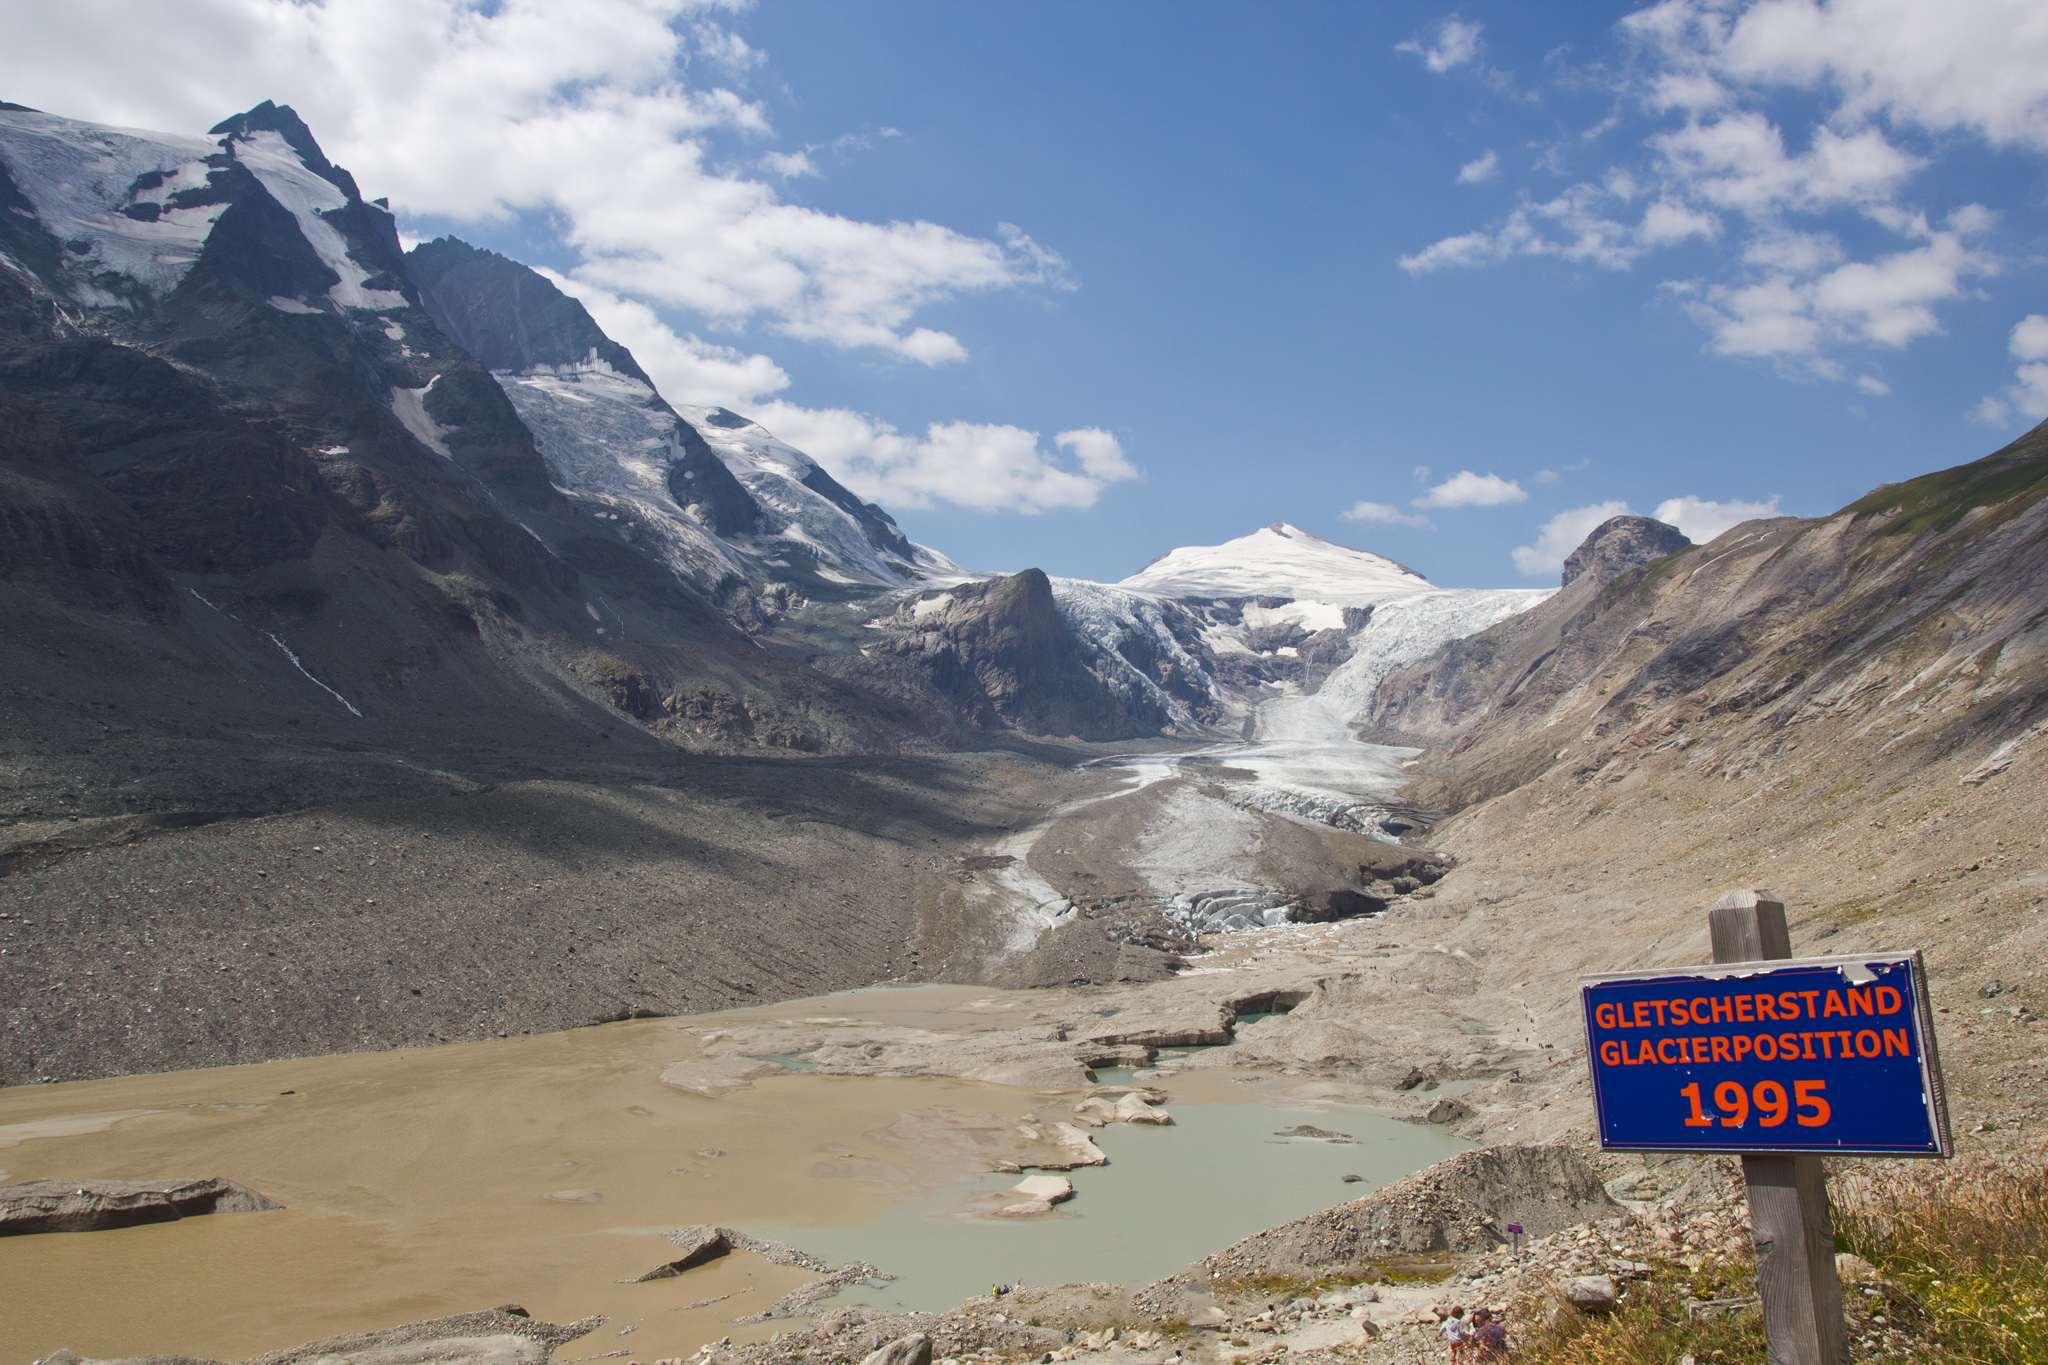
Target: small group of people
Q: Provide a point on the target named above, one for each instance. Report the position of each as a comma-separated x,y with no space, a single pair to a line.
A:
1482,1337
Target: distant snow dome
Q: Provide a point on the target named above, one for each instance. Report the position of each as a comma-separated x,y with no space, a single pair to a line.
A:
1279,561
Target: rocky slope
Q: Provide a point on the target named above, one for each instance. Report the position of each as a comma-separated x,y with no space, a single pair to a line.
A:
282,570
300,536
1845,710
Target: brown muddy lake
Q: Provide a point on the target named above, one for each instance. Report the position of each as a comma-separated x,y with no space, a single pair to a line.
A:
417,1183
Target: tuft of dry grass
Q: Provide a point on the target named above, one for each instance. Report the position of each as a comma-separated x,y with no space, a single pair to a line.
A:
1961,1251
1650,1326
1967,1240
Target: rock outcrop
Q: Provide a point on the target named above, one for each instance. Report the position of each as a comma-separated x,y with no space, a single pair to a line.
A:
1619,544
94,1205
1002,654
1458,1206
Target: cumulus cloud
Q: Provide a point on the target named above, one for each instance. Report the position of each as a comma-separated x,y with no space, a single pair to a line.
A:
1561,535
1973,66
1466,489
986,467
587,114
1456,43
1888,302
1382,513
1724,160
1702,520
1479,171
2027,396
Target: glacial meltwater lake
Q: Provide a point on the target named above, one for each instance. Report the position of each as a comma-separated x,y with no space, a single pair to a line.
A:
1169,1196
424,1182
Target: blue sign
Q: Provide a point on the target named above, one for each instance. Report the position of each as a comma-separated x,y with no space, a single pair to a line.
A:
1820,1054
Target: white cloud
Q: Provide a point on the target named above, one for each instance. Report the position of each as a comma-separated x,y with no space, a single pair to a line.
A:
685,369
1466,489
1703,521
1480,171
586,113
1724,159
1381,512
1547,476
1574,226
1976,66
1738,161
1561,535
2028,393
1457,42
1884,302
789,165
986,467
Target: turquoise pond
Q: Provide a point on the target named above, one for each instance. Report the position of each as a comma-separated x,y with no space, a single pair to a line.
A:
1168,1197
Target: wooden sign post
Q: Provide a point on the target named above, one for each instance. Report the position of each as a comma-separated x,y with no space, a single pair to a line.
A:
1778,1060
1788,1194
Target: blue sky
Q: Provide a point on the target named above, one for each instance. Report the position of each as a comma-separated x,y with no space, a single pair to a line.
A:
1069,284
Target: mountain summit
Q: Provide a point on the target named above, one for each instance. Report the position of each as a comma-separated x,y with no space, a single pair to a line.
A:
1277,560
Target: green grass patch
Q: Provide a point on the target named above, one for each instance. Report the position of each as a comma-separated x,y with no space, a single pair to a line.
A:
2013,479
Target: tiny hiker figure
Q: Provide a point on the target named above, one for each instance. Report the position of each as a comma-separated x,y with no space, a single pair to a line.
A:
1488,1336
1454,1331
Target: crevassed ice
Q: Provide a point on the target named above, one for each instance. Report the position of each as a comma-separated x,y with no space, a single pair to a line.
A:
76,175
773,471
602,435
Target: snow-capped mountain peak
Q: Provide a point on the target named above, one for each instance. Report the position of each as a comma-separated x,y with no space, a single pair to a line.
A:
122,216
1278,561
713,494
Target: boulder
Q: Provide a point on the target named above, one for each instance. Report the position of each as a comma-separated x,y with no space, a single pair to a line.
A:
699,1242
93,1205
1077,1149
1590,1293
1853,1269
915,1349
1448,1110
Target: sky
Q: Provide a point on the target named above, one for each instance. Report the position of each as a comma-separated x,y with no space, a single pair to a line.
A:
1070,284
